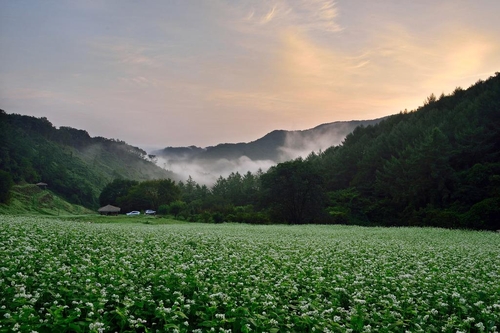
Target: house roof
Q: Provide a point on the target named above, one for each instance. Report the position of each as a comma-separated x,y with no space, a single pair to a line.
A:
109,208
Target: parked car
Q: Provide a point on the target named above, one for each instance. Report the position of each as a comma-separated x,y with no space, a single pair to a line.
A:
134,212
150,212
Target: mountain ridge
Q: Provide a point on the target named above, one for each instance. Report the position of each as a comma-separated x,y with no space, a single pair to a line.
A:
273,146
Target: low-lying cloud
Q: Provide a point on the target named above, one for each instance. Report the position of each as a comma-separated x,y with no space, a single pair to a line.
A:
276,147
206,172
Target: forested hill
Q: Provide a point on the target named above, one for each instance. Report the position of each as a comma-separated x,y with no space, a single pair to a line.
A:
72,163
436,166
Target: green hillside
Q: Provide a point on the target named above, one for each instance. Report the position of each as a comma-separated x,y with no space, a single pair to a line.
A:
436,166
30,199
73,164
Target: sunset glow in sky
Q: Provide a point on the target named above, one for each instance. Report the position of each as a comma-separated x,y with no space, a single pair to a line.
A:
178,73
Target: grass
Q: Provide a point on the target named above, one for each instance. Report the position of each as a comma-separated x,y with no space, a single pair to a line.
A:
30,199
70,276
123,219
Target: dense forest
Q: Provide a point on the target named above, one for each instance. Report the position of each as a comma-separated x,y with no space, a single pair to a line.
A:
72,163
436,166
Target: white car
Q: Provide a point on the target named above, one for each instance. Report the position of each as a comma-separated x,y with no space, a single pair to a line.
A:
134,212
150,212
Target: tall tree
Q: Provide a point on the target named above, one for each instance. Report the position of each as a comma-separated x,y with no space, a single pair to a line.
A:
115,190
293,191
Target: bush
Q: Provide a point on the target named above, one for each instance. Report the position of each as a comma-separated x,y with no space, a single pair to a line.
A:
217,217
6,184
483,215
337,217
176,207
163,210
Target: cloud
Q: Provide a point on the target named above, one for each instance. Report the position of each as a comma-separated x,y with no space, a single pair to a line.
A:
392,69
405,67
206,172
318,15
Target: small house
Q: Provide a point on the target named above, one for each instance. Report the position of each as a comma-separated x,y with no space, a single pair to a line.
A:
109,210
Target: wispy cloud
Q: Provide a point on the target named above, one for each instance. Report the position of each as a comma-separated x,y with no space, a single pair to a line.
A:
308,15
392,70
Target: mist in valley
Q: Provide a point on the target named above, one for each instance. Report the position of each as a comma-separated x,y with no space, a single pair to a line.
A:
205,171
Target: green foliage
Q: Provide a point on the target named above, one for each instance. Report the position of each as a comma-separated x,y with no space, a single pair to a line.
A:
484,214
427,167
163,209
293,191
176,207
114,191
6,184
149,194
30,199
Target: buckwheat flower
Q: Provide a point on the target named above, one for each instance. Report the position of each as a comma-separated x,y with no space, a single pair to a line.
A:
7,315
480,326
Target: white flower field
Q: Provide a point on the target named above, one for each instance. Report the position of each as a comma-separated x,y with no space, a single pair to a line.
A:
63,276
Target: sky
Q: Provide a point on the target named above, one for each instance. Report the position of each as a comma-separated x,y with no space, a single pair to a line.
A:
182,72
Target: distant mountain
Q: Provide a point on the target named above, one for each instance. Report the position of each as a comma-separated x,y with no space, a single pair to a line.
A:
73,164
276,146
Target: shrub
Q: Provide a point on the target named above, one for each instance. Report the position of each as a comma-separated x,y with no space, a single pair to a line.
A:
6,184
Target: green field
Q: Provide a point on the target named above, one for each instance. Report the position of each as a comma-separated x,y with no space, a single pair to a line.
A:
75,276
